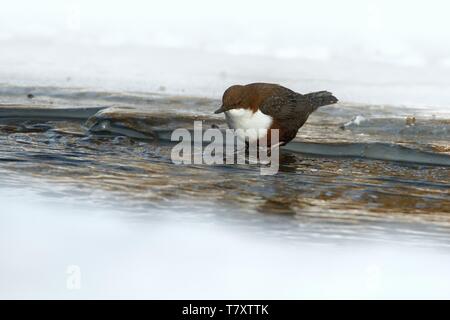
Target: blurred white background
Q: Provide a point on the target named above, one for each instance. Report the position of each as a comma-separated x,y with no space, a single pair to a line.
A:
172,259
200,47
412,33
376,52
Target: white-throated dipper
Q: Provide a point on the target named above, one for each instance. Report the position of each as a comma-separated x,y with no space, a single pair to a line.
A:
270,106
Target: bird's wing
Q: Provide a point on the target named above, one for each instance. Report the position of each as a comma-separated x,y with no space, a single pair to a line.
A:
283,105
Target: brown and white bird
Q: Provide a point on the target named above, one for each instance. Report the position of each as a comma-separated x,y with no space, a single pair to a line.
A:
270,106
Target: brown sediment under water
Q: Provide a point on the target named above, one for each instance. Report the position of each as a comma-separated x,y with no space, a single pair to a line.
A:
354,171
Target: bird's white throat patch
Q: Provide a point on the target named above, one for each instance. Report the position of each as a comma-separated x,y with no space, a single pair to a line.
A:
247,119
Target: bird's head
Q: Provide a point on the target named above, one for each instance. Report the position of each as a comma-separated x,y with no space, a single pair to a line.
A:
232,98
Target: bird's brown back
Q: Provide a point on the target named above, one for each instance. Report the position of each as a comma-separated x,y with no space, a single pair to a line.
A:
255,94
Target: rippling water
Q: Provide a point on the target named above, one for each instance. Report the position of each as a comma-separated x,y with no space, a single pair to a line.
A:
353,172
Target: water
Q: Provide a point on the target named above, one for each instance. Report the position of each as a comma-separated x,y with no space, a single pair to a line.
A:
331,174
339,224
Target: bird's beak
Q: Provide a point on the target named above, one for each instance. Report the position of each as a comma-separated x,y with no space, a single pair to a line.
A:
220,110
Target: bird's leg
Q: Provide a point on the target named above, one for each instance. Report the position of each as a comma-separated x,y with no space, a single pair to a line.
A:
270,148
260,148
279,144
236,153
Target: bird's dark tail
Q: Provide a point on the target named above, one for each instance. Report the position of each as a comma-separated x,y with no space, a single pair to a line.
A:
320,98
